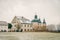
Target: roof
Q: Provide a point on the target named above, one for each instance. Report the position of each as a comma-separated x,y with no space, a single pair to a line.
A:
23,19
3,23
39,21
44,22
36,19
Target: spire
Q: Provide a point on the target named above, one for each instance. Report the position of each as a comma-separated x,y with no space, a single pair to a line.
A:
44,22
39,20
35,15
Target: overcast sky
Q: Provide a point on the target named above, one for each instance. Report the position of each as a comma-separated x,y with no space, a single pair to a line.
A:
48,9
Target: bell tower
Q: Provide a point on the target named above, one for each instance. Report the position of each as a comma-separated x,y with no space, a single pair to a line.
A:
44,25
35,16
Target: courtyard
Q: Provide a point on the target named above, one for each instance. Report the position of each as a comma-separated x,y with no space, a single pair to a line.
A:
29,36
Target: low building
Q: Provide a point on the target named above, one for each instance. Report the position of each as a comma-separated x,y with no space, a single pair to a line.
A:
3,26
58,27
52,28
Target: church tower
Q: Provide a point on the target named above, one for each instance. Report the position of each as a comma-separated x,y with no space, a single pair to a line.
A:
35,23
39,25
44,25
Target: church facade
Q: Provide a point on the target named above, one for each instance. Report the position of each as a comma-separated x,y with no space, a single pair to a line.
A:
38,25
23,24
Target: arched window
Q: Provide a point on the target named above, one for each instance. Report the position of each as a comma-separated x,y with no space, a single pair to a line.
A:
24,29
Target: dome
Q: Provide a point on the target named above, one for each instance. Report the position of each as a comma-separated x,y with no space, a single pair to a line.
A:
36,19
35,16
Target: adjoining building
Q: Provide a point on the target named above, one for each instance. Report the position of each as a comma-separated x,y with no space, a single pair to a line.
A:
3,26
58,27
21,23
53,28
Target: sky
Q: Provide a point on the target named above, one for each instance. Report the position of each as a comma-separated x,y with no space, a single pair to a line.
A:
48,9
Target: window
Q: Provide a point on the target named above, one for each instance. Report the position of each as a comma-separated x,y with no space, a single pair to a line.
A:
24,29
28,29
25,25
15,25
28,25
4,30
1,30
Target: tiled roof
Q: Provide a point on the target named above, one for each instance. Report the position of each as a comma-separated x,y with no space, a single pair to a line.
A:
23,19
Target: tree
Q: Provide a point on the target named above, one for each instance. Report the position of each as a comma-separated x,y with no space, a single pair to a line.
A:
58,27
9,25
18,27
51,27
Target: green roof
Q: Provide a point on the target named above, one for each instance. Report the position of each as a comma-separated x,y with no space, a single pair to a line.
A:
36,19
44,22
39,21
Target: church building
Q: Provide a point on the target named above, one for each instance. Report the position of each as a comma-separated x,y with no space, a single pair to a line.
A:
23,24
38,25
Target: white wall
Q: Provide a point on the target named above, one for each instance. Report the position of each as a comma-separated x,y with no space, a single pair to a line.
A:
4,28
26,27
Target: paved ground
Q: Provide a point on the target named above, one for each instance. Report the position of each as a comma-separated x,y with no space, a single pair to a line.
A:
29,36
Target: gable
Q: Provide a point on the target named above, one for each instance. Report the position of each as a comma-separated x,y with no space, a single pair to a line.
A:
15,20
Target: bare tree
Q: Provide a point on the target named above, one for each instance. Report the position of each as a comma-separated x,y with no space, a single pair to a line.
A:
18,27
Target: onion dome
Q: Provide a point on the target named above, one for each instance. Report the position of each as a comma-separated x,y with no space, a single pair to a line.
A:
36,19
